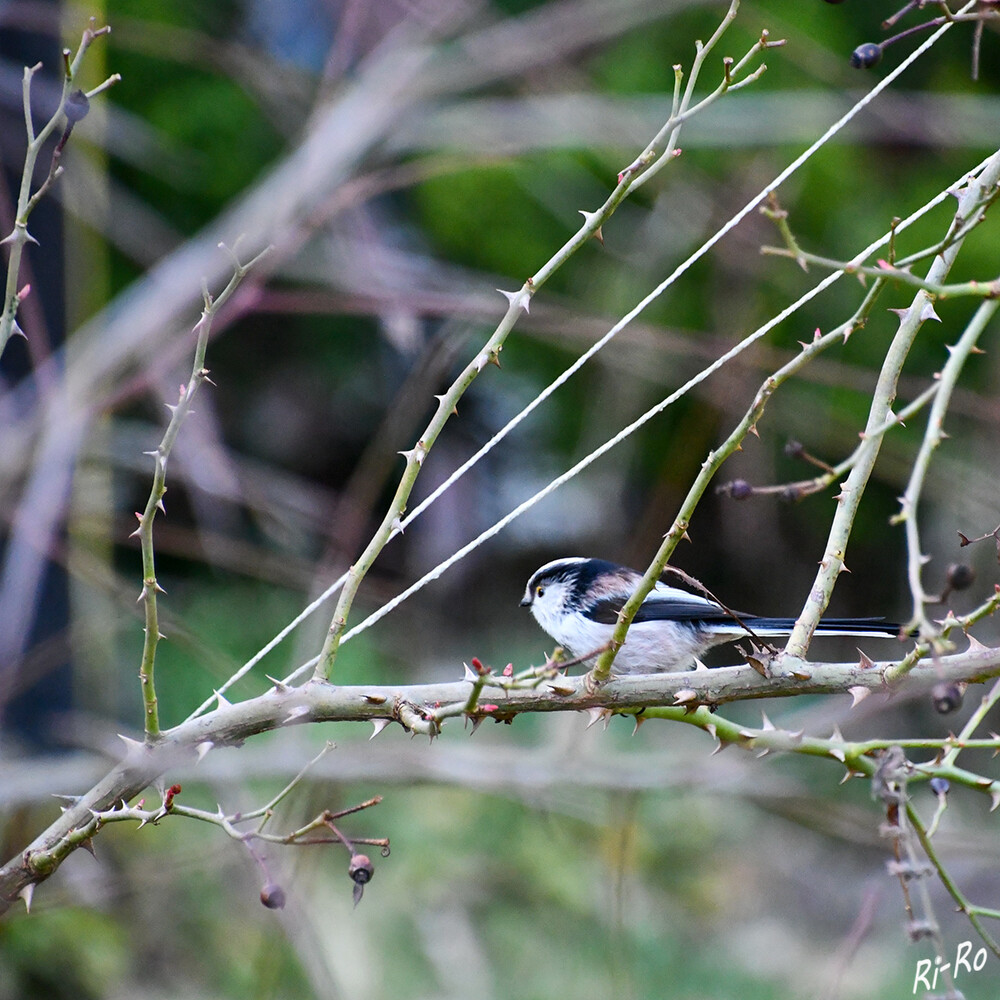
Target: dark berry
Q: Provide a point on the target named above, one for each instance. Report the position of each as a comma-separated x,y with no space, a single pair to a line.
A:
947,697
76,107
940,786
273,896
866,56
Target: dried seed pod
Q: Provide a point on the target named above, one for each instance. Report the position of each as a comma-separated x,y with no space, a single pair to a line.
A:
361,869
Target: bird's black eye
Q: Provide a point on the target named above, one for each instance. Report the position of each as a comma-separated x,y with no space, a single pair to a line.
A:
539,591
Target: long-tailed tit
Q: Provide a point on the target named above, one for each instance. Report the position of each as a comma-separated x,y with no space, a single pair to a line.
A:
577,602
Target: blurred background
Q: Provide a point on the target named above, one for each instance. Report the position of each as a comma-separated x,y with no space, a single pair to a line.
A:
405,160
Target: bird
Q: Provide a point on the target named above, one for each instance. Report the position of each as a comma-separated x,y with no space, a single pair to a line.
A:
576,600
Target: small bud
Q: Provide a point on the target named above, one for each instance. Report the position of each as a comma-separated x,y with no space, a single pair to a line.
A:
273,896
939,786
866,56
946,697
960,576
793,449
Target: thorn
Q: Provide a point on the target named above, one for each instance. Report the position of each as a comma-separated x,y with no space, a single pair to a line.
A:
562,690
685,696
297,713
975,646
699,665
470,674
928,312
202,749
26,894
375,699
16,331
837,734
994,799
379,725
223,701
131,744
519,298
88,846
866,662
596,714
639,720
838,754
767,723
279,686
712,729
588,217
858,695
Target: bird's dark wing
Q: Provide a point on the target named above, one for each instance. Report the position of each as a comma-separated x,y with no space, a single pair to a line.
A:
661,608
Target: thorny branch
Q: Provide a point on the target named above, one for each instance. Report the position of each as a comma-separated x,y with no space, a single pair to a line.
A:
692,697
73,106
661,148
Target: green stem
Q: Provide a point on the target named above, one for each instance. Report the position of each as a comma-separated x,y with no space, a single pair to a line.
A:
150,587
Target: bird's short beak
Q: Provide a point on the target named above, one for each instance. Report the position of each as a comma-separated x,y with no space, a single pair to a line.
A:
525,602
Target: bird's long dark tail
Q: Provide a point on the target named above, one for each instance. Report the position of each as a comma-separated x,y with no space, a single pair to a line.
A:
827,626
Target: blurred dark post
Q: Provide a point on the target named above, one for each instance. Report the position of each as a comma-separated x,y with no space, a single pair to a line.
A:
34,680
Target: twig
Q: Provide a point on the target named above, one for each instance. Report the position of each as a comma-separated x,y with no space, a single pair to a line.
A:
72,107
393,521
178,411
934,434
849,499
